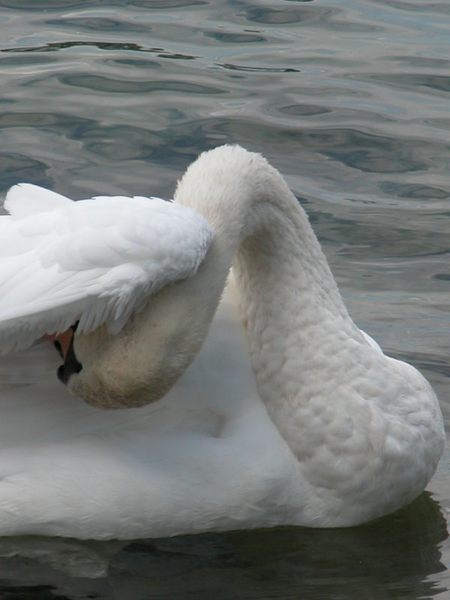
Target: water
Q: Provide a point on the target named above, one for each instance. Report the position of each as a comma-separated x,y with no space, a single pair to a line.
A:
350,100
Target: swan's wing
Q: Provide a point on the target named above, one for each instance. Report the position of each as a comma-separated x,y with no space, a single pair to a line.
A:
94,261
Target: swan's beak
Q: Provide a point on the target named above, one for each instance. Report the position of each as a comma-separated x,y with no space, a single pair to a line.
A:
64,344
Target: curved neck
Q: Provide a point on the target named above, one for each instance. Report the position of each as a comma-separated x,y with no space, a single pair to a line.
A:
290,305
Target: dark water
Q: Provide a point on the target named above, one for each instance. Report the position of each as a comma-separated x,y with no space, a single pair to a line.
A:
350,99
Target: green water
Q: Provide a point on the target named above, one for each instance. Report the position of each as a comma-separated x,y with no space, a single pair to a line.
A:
350,99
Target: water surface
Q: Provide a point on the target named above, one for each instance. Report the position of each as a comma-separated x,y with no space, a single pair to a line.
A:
350,99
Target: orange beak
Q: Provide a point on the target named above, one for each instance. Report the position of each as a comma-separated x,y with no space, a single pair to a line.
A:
61,341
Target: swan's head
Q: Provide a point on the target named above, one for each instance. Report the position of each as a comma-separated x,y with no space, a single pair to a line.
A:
141,363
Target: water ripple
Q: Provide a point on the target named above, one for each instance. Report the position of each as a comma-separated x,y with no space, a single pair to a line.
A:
97,83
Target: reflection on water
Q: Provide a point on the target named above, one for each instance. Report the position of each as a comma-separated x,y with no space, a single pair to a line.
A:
350,100
393,557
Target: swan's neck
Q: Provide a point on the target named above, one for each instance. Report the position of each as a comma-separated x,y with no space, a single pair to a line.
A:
290,305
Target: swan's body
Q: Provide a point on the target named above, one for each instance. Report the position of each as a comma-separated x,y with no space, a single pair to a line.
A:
343,433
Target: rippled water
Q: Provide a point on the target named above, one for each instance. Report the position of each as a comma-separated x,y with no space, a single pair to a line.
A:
350,99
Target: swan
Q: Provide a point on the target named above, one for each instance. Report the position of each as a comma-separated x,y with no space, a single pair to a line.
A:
306,422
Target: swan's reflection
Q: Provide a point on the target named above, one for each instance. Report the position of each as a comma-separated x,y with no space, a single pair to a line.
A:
395,555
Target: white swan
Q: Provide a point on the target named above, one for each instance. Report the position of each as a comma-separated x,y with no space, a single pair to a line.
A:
336,433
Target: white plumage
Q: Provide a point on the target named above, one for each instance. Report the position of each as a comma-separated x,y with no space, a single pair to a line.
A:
94,261
310,424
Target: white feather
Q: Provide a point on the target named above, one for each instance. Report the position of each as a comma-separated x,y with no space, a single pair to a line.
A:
94,261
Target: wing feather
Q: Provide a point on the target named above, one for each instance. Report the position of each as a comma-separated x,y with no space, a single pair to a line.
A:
95,261
26,199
